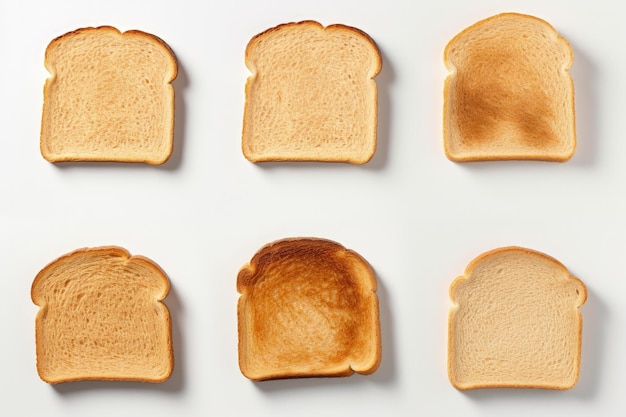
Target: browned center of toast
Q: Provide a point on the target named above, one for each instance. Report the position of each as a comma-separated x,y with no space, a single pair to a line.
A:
308,303
502,95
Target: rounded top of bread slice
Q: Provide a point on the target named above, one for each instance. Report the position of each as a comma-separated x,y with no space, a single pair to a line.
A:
308,36
107,262
76,43
310,252
509,268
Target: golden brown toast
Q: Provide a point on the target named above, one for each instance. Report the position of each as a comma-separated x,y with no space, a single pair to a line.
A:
515,322
509,94
311,95
308,308
109,97
101,317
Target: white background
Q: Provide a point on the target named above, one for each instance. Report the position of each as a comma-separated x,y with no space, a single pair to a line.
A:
414,215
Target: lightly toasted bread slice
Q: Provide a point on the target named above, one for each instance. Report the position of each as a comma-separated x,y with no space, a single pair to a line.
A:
509,94
311,95
307,308
101,318
515,322
109,97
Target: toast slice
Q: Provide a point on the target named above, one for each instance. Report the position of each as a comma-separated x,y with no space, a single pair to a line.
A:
101,317
515,322
509,94
307,308
109,97
311,95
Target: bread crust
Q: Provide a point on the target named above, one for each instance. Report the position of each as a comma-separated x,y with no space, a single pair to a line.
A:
69,143
307,308
330,141
573,293
503,104
73,309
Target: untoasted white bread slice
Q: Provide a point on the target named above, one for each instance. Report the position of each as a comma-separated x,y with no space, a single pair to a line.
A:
108,98
308,308
509,94
515,322
311,95
101,317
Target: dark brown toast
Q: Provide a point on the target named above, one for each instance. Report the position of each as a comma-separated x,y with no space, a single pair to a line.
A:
307,308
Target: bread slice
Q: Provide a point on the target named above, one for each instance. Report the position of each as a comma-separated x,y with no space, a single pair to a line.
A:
307,308
509,94
101,317
515,322
311,95
108,98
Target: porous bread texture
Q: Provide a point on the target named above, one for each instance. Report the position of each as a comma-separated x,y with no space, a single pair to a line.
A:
101,318
109,97
311,95
515,322
307,308
509,94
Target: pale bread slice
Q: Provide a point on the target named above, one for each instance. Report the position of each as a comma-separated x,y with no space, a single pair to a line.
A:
509,94
307,308
101,317
109,97
515,322
311,95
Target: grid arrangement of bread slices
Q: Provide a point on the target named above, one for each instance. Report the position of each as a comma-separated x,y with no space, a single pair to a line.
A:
308,305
